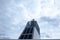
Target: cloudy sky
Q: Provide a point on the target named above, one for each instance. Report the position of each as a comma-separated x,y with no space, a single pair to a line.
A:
14,14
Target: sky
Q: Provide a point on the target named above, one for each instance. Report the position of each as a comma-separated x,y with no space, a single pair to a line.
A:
14,14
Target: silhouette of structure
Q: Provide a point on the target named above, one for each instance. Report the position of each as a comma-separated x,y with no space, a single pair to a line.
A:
31,31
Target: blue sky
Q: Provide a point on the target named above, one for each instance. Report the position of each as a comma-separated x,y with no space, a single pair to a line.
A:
14,14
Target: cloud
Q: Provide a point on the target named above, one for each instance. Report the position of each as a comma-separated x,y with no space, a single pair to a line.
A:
9,18
49,9
49,26
14,15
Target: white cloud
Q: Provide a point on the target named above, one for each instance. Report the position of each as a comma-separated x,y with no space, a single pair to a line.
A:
15,14
49,9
